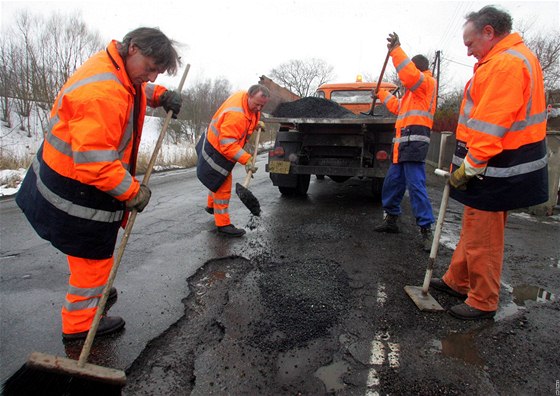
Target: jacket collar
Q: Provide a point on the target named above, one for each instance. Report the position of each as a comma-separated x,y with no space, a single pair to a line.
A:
507,42
120,68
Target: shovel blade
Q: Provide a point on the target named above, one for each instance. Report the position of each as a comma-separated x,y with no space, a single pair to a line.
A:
424,301
248,199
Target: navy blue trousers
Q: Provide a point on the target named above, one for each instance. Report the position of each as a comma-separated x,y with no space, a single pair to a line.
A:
409,176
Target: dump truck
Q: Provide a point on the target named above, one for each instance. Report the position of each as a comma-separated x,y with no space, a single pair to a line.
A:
339,144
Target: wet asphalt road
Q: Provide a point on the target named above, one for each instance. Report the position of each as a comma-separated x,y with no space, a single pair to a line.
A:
311,301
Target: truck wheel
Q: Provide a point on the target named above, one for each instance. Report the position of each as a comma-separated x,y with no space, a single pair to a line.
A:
339,179
300,189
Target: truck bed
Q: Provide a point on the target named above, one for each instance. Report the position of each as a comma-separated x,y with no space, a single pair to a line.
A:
352,121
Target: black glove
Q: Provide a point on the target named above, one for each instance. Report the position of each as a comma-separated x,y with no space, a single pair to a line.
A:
140,200
171,100
393,40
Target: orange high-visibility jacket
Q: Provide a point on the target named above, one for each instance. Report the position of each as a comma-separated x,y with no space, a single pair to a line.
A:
415,108
501,134
74,192
221,147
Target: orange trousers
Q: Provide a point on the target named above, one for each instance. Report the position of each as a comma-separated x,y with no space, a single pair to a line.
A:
476,265
85,286
219,200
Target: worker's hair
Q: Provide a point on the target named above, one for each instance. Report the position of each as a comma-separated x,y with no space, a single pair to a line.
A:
255,89
421,62
154,44
500,20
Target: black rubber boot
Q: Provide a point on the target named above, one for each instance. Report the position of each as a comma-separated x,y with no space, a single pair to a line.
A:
231,231
427,239
389,225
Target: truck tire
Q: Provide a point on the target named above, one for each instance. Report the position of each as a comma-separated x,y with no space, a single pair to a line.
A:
300,189
339,179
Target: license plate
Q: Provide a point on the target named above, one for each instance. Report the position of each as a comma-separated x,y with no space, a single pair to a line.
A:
282,167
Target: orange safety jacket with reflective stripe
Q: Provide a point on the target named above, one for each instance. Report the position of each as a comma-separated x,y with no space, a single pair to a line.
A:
74,192
501,134
416,108
221,147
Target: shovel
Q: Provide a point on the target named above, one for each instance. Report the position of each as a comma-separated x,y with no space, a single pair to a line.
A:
244,194
423,300
370,112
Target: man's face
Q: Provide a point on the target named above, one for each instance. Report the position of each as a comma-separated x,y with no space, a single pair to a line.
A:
478,43
140,68
257,102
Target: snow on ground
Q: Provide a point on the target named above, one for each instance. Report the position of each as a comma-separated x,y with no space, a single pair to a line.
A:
16,143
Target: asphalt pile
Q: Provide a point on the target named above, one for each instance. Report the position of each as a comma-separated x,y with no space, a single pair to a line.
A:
311,107
303,299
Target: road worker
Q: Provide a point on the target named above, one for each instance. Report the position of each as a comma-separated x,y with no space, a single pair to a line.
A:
81,182
410,146
221,147
500,160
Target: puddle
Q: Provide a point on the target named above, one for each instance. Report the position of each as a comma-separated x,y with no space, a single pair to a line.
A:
521,294
459,346
531,293
331,375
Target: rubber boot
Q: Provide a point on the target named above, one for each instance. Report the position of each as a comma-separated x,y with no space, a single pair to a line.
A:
389,224
427,239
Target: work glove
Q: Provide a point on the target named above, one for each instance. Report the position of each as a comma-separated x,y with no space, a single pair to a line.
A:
140,200
459,178
171,100
260,124
393,40
250,167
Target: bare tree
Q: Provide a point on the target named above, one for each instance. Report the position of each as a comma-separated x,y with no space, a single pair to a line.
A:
546,47
302,77
39,56
200,102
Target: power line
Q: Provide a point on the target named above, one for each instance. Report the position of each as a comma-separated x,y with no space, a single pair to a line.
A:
458,63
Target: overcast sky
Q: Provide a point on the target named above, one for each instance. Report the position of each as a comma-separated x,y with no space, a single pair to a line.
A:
241,40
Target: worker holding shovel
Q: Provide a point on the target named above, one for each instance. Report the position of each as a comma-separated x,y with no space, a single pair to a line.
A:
410,146
81,183
500,160
221,147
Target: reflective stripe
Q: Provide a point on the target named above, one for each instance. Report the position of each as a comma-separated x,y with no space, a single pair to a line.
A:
228,141
239,154
221,211
123,186
403,65
85,292
476,160
80,305
418,83
412,138
419,113
514,170
517,170
486,127
221,201
69,207
211,162
86,157
91,79
387,99
530,121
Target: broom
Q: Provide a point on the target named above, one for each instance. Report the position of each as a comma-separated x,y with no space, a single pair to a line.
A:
44,374
245,195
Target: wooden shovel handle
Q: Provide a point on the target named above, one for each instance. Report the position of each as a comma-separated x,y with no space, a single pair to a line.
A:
253,159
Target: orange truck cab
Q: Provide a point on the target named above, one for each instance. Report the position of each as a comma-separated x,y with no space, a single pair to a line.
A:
355,96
